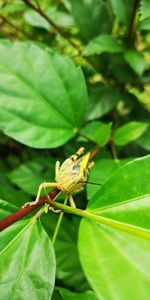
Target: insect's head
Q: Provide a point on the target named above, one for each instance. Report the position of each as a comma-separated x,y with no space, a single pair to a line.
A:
81,168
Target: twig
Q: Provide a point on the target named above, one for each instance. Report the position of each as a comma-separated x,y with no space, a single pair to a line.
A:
132,22
61,32
53,24
26,210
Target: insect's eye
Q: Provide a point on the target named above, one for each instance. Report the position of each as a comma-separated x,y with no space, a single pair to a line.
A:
76,169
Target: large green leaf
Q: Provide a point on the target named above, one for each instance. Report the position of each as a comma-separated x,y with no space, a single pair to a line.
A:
114,245
103,43
101,171
129,132
27,263
40,94
91,16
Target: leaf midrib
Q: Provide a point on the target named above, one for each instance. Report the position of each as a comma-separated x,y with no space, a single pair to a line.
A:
107,207
37,94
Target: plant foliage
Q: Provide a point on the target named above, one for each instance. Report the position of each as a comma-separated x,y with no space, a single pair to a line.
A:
75,73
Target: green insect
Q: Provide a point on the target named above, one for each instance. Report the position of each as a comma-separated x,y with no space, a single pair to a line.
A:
70,176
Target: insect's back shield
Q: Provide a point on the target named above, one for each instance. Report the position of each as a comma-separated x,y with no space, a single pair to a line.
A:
73,174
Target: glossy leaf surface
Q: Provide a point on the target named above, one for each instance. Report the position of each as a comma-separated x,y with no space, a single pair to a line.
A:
40,96
27,263
119,238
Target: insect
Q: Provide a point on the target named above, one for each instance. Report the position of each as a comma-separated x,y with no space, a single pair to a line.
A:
70,176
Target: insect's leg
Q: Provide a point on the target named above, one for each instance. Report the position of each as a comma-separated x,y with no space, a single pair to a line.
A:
72,203
42,186
80,189
57,167
78,153
56,211
90,164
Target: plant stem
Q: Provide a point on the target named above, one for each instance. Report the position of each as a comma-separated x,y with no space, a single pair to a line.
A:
113,151
132,22
59,222
102,220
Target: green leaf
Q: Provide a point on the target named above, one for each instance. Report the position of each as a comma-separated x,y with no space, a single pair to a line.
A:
102,100
30,175
129,132
144,9
144,140
123,10
12,7
11,195
102,170
6,208
136,61
90,16
60,18
118,234
68,295
40,94
35,20
27,263
145,24
103,43
98,132
69,270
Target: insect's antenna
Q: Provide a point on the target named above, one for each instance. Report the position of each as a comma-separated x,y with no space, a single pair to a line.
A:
89,182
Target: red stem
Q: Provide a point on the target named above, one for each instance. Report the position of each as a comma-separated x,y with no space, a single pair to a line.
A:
26,210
